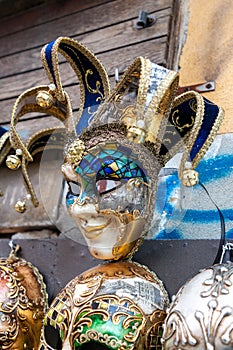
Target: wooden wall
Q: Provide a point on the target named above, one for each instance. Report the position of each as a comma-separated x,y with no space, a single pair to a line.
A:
107,28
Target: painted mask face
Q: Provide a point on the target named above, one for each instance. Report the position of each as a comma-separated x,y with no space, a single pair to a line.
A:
201,315
108,198
23,303
116,306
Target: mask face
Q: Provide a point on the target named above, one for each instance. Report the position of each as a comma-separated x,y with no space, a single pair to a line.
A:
23,303
201,315
108,198
115,306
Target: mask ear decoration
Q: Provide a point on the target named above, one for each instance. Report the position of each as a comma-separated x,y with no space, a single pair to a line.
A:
36,144
202,135
93,79
192,126
142,101
36,100
185,117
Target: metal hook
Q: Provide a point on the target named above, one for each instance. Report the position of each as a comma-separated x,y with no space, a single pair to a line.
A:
14,249
144,20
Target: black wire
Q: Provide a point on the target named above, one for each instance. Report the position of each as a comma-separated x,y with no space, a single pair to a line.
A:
223,228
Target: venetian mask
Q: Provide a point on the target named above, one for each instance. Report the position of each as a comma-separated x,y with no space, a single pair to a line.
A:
201,314
117,306
109,198
23,303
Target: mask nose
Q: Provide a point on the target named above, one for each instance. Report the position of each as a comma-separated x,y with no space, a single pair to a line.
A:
83,209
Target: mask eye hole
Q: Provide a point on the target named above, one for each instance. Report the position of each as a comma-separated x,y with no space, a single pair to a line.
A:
107,185
52,338
94,346
74,188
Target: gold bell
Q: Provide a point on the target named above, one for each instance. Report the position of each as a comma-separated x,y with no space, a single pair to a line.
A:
190,177
13,161
136,134
20,206
44,99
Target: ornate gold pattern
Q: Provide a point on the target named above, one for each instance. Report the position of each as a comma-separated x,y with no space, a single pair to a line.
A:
93,307
133,315
22,308
98,84
75,152
208,322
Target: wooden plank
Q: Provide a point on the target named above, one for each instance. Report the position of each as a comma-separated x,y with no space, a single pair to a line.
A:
105,16
50,11
99,41
177,33
105,39
13,7
9,86
155,50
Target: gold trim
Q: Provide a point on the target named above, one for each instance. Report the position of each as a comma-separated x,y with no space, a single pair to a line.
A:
59,93
210,138
26,103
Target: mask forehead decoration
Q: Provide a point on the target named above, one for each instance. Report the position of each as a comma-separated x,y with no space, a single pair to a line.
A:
23,303
118,305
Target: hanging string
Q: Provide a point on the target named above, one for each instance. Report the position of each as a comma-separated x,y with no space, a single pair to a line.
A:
222,243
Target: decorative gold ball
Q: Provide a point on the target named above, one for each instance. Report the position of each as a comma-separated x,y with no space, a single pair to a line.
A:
44,99
13,162
20,207
75,152
136,134
190,177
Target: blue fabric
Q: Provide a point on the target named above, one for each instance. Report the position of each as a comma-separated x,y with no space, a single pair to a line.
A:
180,122
92,99
211,113
2,131
48,55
